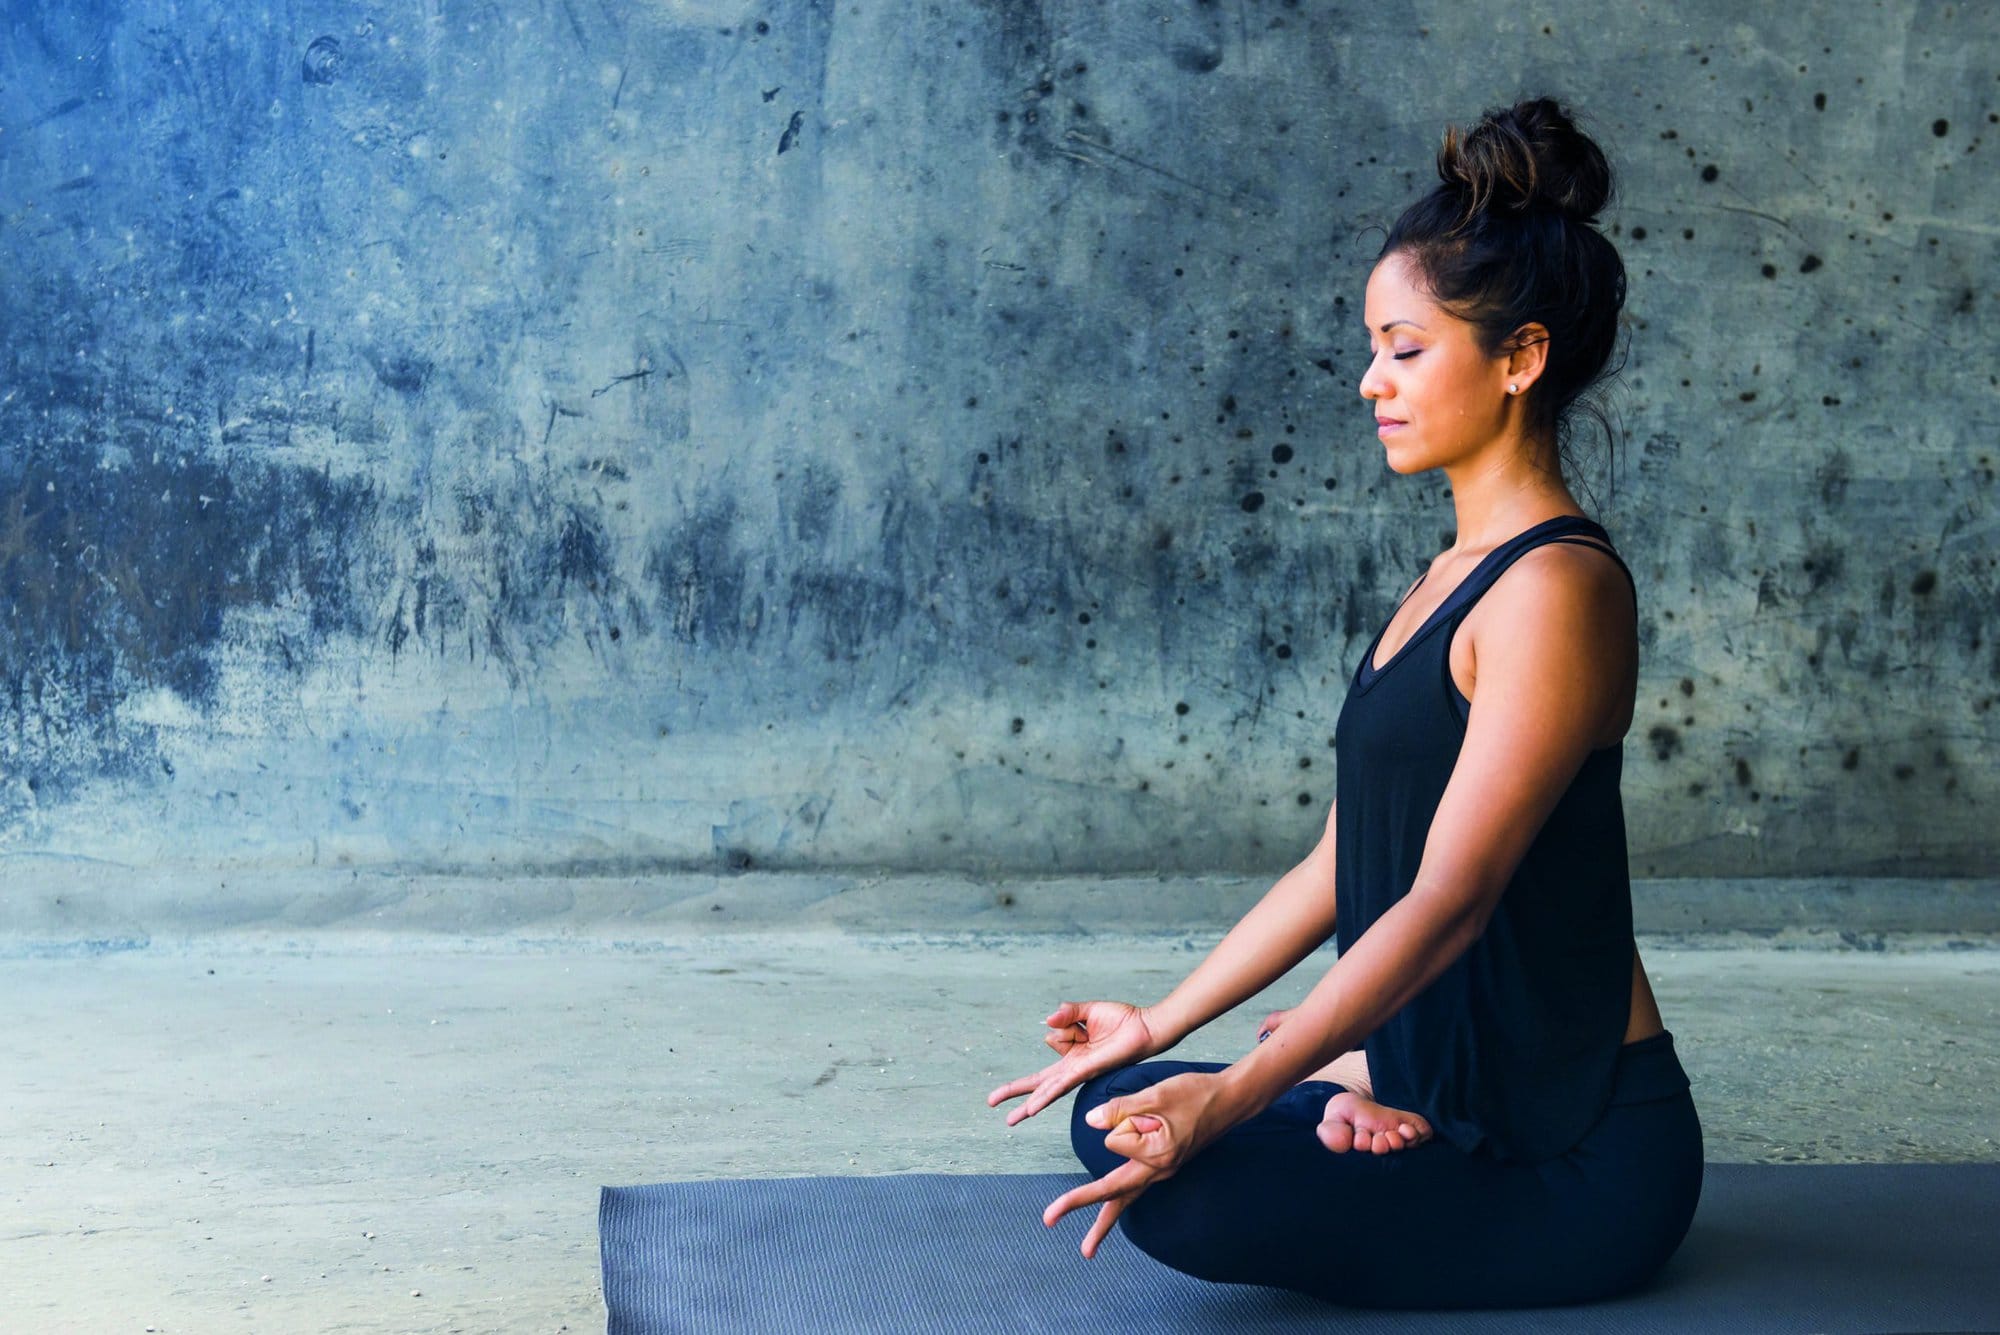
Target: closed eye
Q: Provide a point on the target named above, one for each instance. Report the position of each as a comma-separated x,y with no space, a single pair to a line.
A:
1405,356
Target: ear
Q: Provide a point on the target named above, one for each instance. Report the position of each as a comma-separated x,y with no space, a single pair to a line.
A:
1528,354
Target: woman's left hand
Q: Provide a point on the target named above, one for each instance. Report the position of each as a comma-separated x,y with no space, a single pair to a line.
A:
1158,1129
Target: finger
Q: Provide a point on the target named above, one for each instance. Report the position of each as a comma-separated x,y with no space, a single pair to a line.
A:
1048,1091
1107,1114
1119,1181
1137,1134
1068,1012
1101,1227
1119,1116
1015,1088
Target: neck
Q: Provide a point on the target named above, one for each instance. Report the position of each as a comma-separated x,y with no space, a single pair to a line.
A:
1502,489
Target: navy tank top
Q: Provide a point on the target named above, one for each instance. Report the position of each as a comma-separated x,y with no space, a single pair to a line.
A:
1511,1050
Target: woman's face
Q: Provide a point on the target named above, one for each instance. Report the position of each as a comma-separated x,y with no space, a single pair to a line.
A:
1437,398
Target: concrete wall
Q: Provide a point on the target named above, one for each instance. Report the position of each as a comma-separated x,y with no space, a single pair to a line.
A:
595,435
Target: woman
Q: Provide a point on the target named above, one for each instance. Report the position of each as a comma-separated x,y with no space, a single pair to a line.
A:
1528,1137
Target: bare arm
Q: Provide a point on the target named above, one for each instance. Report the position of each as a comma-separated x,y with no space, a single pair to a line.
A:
1546,688
1291,921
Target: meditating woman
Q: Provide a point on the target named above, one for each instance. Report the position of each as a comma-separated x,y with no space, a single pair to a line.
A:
1478,1105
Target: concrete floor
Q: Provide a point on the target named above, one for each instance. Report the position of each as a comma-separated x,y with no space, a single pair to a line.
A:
346,1131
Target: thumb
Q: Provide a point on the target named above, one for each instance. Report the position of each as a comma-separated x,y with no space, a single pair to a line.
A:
1111,1112
1068,1012
1106,1114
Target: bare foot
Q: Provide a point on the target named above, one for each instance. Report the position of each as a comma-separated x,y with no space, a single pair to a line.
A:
1349,1071
1356,1123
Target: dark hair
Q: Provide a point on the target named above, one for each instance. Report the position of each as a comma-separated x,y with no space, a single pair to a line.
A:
1508,238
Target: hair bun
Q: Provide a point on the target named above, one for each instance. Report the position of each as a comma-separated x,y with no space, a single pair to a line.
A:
1525,157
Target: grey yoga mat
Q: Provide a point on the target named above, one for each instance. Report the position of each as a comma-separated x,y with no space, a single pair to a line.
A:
1839,1248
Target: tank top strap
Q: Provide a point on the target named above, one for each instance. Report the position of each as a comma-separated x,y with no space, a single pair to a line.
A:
1562,528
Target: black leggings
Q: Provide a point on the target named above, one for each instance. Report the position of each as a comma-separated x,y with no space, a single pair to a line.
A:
1427,1226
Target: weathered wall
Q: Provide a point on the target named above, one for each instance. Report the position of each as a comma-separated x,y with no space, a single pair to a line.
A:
597,434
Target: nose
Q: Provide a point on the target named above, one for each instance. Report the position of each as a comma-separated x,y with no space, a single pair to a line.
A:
1372,385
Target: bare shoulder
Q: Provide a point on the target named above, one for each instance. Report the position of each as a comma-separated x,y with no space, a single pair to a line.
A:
1558,581
1572,595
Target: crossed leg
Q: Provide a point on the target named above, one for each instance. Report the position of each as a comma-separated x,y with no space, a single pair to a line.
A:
1428,1227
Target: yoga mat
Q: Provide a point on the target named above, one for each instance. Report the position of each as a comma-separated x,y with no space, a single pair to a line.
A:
1846,1249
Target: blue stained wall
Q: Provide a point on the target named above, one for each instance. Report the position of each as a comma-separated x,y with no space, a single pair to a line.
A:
588,435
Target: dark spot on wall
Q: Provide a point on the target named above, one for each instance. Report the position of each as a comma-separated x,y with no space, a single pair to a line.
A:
699,577
1905,771
1742,772
1823,565
806,504
1925,582
1254,501
1305,799
1638,234
406,373
1940,127
1016,725
1819,101
1666,742
791,134
1852,759
1809,263
1197,59
1281,454
1710,172
1769,270
1180,707
1687,686
581,552
321,64
117,579
1832,475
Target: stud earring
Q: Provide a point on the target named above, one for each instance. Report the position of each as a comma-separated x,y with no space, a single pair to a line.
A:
1513,389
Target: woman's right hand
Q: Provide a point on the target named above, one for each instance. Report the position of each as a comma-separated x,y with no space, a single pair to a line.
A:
1093,1037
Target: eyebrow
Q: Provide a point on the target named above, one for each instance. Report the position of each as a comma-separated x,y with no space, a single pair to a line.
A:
1393,323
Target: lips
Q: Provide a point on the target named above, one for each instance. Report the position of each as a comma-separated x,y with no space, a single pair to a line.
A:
1389,421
